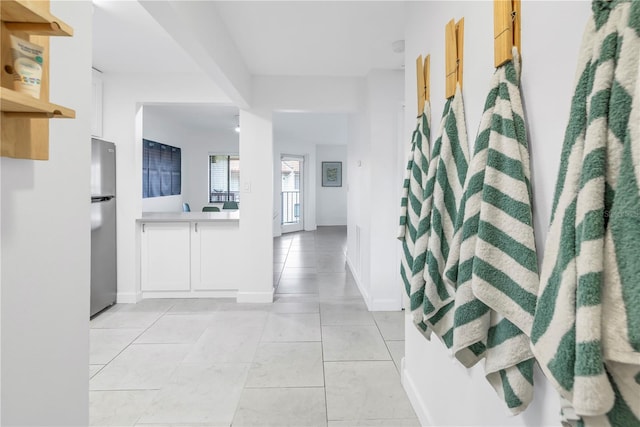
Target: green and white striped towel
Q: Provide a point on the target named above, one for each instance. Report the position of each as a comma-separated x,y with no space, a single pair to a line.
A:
411,235
586,331
424,228
493,261
447,173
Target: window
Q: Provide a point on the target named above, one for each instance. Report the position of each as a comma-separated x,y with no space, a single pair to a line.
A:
161,169
224,178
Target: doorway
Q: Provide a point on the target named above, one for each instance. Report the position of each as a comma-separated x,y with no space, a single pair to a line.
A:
291,193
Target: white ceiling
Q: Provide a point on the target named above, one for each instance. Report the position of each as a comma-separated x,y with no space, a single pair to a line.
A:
318,38
312,38
309,128
206,117
315,38
127,39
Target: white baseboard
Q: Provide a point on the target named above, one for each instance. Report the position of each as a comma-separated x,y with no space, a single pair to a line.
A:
414,397
382,304
255,297
128,297
363,291
189,294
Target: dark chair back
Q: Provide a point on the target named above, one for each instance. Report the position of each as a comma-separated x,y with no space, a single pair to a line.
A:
210,209
186,207
230,205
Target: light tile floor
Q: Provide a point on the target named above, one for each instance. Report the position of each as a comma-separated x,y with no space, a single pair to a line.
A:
315,357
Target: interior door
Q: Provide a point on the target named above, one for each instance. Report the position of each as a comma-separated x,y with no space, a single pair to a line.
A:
291,193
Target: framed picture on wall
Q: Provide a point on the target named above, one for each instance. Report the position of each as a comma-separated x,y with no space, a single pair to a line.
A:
332,174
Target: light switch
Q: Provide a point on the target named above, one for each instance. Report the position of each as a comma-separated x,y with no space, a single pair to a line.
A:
246,186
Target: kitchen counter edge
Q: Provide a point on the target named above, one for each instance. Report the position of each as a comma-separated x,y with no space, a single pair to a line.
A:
233,216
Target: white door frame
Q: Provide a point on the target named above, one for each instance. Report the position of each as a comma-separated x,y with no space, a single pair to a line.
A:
297,226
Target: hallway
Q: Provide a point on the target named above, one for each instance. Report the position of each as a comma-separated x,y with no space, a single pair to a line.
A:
314,357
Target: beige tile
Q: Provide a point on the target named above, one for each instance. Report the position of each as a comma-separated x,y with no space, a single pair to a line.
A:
160,305
298,272
118,408
140,367
287,365
197,305
347,318
227,343
365,390
198,394
94,369
300,261
105,344
396,348
176,329
291,306
125,319
411,422
285,327
391,324
297,286
285,298
353,342
281,407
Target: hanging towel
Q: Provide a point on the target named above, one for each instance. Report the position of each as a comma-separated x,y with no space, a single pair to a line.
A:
586,331
424,228
493,261
447,173
411,235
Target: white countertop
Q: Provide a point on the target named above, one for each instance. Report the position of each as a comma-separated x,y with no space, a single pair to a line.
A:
230,216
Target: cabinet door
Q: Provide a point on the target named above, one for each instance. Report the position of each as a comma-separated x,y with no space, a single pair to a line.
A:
166,254
215,249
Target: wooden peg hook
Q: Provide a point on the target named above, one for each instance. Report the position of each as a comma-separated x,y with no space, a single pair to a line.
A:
427,78
423,75
420,84
506,29
454,48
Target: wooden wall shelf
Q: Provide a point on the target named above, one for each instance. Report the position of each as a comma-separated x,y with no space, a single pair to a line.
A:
32,18
16,104
24,120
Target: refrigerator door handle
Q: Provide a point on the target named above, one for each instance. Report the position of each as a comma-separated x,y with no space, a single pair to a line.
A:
99,199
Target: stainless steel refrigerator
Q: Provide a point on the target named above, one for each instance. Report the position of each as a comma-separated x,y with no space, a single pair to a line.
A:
103,225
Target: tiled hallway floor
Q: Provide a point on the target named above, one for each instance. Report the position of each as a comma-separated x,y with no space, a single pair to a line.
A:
314,357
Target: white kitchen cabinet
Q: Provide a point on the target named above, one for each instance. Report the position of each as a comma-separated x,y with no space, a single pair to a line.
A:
213,245
189,258
165,256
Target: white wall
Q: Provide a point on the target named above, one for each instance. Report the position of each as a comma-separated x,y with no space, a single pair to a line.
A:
372,195
308,93
358,221
303,94
196,145
45,251
123,96
331,202
256,195
462,396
